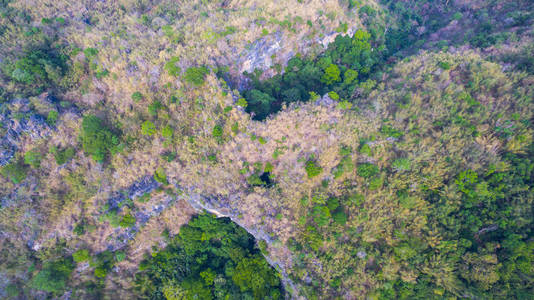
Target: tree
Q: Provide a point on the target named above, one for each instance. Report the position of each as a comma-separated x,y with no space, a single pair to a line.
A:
196,75
254,274
331,75
312,168
81,255
15,171
259,103
210,258
53,276
148,128
172,66
97,140
33,158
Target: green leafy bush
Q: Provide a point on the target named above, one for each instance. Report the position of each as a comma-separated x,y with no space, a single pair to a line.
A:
53,276
172,66
196,75
52,117
62,155
313,169
81,255
160,176
97,139
148,128
15,171
33,158
367,170
137,96
217,131
167,132
127,221
402,164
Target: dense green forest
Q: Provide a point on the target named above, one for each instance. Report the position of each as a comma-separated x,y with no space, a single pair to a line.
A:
358,149
209,259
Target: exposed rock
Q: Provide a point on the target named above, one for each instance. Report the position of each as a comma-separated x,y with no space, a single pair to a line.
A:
17,120
145,185
325,101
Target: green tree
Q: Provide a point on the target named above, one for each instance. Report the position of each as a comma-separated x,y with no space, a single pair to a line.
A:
15,171
172,66
53,276
81,255
97,140
259,103
312,168
33,158
331,75
148,128
196,75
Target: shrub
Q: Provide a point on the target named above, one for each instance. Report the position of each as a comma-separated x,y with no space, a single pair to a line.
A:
137,96
340,217
331,74
367,170
81,255
127,221
79,229
333,95
242,102
148,128
196,75
33,158
313,169
321,215
53,276
97,140
402,164
63,155
154,107
15,171
167,132
120,256
172,66
160,176
217,131
100,272
365,149
52,117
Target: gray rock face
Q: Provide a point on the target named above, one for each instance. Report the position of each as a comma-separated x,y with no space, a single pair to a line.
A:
144,185
17,120
325,101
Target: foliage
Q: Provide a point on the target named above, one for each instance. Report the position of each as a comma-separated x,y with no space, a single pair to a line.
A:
337,70
97,139
62,155
52,117
81,255
312,168
33,158
196,75
15,171
367,170
172,66
209,259
137,96
127,221
53,276
148,128
160,176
